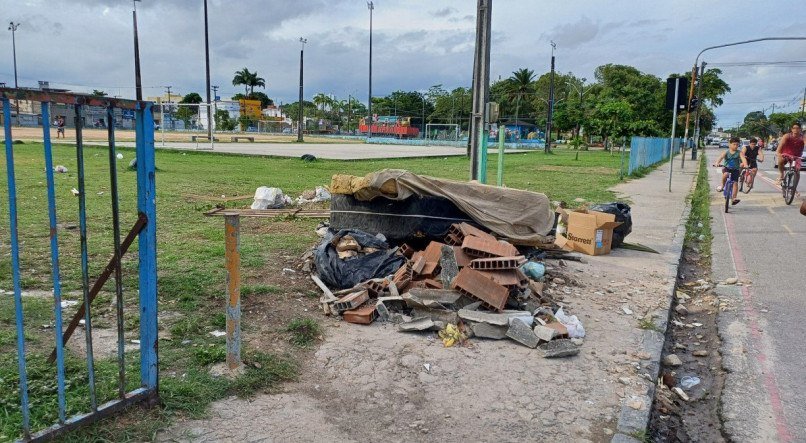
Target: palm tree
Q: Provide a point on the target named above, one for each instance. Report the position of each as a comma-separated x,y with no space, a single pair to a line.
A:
322,100
519,83
249,80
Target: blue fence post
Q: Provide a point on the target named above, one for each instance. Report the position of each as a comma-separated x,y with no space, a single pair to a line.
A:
15,267
54,260
146,204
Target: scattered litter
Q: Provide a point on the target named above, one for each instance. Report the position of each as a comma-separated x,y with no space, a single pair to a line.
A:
134,341
270,198
120,156
571,323
60,169
680,393
626,310
75,192
451,335
427,367
218,333
68,303
534,270
689,382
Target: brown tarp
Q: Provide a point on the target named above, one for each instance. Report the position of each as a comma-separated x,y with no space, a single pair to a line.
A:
521,216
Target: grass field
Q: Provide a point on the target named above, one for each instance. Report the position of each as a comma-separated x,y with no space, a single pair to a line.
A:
190,263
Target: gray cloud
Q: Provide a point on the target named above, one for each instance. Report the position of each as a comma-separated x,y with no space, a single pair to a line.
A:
444,12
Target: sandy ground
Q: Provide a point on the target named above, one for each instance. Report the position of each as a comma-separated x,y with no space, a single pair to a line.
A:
372,383
126,135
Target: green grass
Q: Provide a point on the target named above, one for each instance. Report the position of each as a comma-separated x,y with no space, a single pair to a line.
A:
698,226
304,331
190,257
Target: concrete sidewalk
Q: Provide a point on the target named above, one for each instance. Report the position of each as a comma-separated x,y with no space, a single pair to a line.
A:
370,383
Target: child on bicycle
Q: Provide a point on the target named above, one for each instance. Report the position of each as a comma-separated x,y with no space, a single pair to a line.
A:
753,155
734,161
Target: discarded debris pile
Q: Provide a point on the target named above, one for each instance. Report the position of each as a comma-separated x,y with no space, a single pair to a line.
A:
469,285
273,198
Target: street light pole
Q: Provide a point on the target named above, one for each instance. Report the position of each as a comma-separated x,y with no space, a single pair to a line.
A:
207,68
371,7
300,115
551,100
13,28
138,84
215,101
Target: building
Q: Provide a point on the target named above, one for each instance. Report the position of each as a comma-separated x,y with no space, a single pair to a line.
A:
233,108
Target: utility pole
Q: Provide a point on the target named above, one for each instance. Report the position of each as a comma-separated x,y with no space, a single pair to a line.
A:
688,115
300,114
423,123
169,106
207,69
697,117
13,28
138,84
371,7
481,83
802,104
349,111
674,128
215,101
551,101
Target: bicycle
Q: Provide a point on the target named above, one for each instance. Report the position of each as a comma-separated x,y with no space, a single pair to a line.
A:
790,181
727,190
746,178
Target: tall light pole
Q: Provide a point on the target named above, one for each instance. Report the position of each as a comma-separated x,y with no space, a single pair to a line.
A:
13,28
300,115
215,100
371,7
138,84
207,69
551,100
581,91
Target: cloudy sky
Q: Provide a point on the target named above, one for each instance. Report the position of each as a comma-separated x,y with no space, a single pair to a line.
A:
87,44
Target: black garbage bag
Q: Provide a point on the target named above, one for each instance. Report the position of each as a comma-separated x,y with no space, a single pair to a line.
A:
622,213
342,274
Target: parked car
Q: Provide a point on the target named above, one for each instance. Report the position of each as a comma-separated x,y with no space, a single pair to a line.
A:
802,161
723,143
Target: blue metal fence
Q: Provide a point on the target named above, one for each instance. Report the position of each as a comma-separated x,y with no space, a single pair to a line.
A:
144,229
646,151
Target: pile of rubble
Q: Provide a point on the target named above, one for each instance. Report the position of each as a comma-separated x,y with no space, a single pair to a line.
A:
470,285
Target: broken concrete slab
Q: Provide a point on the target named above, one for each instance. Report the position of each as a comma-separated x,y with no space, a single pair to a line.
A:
492,318
450,268
486,330
522,333
545,333
397,318
417,324
382,311
444,315
559,348
441,296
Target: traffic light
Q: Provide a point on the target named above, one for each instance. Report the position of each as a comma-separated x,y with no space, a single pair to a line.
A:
694,103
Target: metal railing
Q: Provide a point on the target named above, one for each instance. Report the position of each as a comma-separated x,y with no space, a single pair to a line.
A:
144,230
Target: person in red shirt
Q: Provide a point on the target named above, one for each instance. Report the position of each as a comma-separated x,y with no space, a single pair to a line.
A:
790,148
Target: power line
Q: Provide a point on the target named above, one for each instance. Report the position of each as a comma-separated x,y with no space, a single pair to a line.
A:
785,63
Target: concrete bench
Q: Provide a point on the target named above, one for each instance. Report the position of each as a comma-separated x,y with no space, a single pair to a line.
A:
236,138
194,138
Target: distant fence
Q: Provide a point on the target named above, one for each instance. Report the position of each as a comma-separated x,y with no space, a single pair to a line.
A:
646,151
523,144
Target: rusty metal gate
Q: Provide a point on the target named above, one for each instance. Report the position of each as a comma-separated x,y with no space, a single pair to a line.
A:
144,230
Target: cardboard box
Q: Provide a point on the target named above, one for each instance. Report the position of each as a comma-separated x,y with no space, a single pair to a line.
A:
588,232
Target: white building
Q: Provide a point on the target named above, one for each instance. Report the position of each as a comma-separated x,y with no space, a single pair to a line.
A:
231,106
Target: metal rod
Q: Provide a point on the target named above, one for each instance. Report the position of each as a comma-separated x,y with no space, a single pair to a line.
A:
113,187
371,7
96,288
501,137
15,268
138,84
147,247
85,277
207,72
54,261
232,245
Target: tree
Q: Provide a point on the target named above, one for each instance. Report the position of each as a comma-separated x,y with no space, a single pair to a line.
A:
192,98
249,80
98,93
222,120
404,104
713,87
322,100
292,110
519,85
613,119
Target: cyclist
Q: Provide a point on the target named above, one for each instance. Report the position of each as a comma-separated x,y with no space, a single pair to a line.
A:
734,161
790,148
753,154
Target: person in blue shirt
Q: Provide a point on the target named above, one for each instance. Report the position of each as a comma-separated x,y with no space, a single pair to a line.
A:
734,162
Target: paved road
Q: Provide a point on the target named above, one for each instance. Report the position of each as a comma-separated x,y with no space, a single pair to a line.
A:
762,241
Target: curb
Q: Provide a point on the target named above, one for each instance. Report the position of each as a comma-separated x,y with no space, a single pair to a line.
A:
631,421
